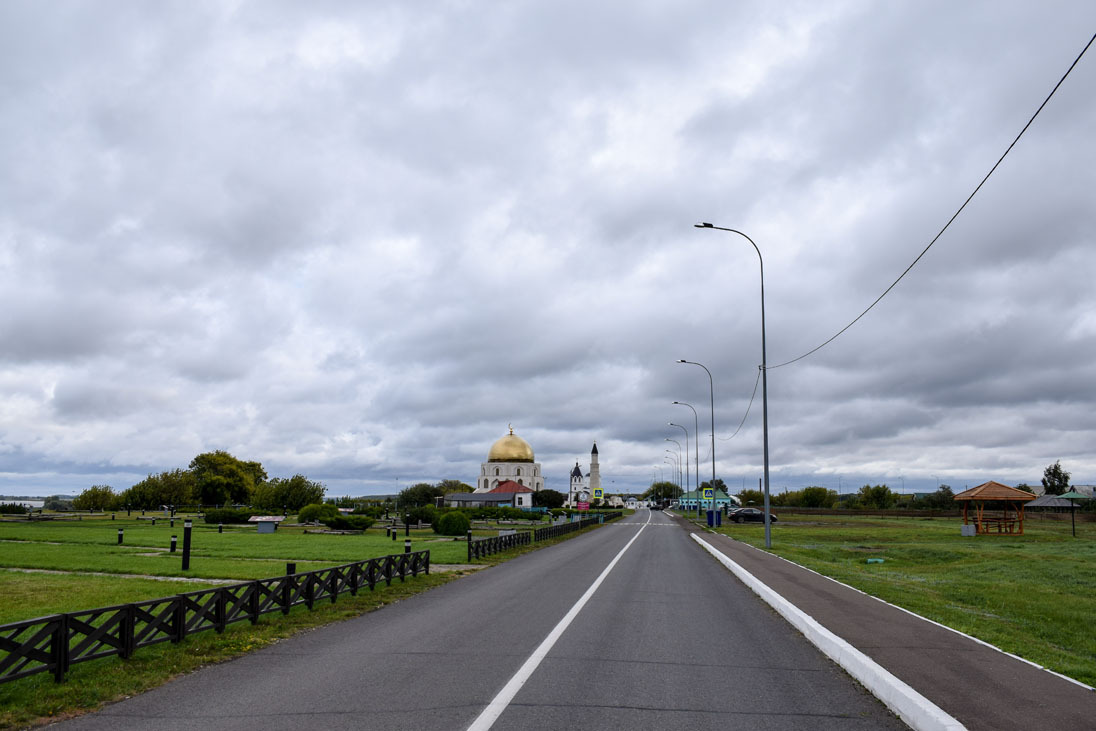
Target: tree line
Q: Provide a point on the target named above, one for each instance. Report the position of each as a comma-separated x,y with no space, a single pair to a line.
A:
212,478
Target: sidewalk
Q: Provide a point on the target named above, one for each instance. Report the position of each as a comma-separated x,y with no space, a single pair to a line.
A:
980,686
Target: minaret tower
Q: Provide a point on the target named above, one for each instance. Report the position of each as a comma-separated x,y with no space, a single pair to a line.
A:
595,474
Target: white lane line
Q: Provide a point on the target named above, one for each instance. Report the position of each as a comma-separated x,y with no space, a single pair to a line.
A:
495,708
912,707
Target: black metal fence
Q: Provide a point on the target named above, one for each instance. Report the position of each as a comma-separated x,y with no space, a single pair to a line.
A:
481,547
54,643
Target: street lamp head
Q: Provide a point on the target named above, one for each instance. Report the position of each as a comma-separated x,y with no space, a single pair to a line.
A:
681,360
703,224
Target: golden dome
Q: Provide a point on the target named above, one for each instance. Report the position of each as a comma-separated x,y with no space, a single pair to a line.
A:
511,448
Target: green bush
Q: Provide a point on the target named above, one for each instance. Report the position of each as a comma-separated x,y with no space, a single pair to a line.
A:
453,523
425,513
228,515
348,522
317,513
13,508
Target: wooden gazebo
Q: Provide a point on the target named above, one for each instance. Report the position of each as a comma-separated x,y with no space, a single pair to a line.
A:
998,508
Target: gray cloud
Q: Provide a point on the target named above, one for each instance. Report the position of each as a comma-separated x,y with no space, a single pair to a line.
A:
357,242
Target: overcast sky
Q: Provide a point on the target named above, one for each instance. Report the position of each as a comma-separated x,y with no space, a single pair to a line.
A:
356,240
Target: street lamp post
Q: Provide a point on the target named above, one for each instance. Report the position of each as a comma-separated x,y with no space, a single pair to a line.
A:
676,465
679,458
696,452
711,391
679,426
764,377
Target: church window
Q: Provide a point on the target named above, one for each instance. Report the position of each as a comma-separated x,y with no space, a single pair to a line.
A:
496,471
520,482
519,470
484,483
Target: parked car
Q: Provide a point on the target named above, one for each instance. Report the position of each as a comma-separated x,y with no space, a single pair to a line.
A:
751,515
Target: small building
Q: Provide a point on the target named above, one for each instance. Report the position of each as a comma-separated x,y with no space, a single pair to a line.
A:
688,500
997,508
266,523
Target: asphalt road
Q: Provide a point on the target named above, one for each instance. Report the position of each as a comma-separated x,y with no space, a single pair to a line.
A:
668,639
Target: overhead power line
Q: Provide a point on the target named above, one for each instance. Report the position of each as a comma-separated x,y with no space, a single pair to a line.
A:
950,220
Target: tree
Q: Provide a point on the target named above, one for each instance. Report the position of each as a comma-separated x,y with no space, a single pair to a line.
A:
747,497
221,478
942,499
1026,488
1055,479
448,486
422,493
292,493
548,499
662,492
96,497
877,497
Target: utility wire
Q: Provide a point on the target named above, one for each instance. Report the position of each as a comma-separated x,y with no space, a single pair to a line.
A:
752,395
950,220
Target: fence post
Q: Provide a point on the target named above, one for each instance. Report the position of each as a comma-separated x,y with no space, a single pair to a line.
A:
220,611
179,617
59,646
253,603
187,527
469,546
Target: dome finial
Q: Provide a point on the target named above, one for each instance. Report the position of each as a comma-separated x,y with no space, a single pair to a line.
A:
511,426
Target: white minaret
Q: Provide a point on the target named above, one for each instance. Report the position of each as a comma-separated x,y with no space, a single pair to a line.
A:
595,475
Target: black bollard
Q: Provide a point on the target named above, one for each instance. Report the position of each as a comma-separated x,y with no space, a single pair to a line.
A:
290,569
154,521
112,516
173,522
121,532
394,531
407,546
186,545
406,525
220,527
173,539
127,511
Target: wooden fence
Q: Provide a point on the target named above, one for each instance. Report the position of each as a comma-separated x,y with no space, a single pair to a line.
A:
56,642
481,547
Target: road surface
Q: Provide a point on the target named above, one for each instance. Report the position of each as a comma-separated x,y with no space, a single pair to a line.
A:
630,626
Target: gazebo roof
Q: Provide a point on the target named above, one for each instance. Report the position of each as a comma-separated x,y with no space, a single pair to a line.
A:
995,492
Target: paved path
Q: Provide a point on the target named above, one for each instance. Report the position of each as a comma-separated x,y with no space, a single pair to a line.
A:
981,687
668,640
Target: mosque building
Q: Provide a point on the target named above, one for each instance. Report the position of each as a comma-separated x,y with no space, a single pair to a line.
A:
510,459
580,491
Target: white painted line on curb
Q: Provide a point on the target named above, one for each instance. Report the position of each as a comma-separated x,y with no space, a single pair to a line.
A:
494,709
912,707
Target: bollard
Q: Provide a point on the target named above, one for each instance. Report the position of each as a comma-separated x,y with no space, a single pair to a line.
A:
220,527
406,525
127,511
186,545
121,532
290,569
394,532
173,522
112,516
173,539
154,521
407,546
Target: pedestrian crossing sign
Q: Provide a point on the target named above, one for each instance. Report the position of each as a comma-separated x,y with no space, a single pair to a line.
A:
598,493
709,493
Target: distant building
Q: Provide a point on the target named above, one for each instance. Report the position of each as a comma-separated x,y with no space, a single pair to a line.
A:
510,458
580,491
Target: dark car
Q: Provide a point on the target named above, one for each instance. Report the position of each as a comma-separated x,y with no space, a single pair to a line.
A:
751,515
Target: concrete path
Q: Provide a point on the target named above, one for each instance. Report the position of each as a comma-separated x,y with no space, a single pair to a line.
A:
982,687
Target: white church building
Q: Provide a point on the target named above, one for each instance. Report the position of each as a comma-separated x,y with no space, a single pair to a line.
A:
582,491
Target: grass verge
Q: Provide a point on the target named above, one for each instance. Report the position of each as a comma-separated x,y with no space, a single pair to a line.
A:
37,700
1032,595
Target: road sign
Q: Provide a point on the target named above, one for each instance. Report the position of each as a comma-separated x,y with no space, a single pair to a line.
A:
709,493
582,506
598,493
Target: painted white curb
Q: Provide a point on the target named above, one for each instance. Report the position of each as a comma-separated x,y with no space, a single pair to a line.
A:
912,707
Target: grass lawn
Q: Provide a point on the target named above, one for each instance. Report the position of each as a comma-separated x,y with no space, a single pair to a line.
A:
1032,595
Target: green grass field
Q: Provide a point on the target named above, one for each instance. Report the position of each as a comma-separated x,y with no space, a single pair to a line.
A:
91,546
1033,595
